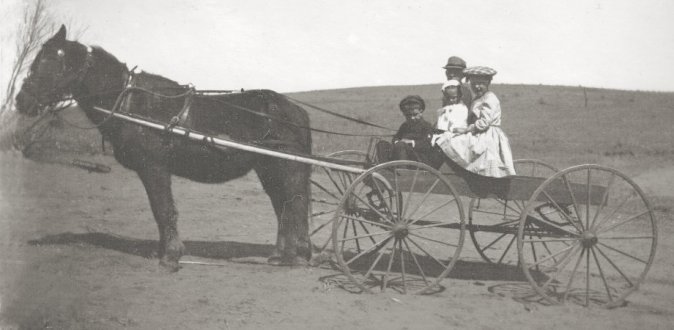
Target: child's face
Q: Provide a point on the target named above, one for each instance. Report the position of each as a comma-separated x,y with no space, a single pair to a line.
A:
412,112
454,74
451,95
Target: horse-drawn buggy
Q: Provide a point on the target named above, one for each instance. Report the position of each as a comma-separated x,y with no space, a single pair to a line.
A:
586,233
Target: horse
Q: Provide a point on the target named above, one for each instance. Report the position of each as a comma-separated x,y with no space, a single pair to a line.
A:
95,78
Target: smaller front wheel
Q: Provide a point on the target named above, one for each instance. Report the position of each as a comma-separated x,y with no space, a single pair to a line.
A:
399,226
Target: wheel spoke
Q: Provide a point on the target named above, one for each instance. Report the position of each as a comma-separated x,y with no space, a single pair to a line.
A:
505,205
433,210
371,208
609,228
421,270
573,274
494,242
374,264
627,237
601,273
551,256
325,189
506,250
432,240
494,213
614,266
402,265
409,199
587,205
440,224
378,224
561,211
383,199
322,226
390,262
610,215
379,245
367,231
423,199
549,240
573,200
563,262
604,199
426,252
622,252
364,236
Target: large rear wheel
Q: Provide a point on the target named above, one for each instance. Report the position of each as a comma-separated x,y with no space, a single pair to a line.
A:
598,236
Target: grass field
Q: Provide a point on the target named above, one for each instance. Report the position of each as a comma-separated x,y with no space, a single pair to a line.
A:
629,130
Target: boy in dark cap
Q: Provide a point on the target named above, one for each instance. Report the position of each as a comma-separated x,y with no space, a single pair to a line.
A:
412,141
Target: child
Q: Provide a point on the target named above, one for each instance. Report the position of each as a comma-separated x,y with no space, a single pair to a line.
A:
455,113
412,141
482,147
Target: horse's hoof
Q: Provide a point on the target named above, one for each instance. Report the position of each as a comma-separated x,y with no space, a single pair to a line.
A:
170,266
279,261
275,261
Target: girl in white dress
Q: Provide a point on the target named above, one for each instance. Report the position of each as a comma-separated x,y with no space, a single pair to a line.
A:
482,147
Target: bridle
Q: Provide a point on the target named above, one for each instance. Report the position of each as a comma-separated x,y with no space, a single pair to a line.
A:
65,79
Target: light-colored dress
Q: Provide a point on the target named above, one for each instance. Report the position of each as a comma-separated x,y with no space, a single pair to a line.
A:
452,116
486,150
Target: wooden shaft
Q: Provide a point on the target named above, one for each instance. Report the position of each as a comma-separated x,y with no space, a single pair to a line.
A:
231,144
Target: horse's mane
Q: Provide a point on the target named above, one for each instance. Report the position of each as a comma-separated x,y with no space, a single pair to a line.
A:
147,79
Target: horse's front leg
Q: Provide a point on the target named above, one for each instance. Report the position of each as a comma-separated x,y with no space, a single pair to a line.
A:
157,182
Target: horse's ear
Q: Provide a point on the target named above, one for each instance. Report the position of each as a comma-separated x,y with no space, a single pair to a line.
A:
61,34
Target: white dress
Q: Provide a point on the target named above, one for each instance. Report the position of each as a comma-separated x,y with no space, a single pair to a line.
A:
485,151
452,116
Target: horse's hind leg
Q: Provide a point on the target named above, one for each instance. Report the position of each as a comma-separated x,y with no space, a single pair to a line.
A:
286,183
157,182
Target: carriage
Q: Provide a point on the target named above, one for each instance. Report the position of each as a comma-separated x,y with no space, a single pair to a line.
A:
585,234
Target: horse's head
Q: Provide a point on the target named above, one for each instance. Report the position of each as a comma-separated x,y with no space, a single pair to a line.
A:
57,67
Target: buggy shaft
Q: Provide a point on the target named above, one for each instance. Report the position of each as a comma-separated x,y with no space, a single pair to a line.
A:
231,144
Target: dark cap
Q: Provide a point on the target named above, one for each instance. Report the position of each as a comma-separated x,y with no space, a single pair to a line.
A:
413,99
455,62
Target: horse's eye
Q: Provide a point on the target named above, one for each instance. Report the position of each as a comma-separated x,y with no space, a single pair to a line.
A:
60,53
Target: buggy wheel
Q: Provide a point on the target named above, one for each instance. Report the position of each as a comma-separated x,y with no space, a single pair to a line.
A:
328,187
493,222
599,234
390,231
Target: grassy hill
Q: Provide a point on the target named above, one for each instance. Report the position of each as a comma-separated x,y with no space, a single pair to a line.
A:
629,130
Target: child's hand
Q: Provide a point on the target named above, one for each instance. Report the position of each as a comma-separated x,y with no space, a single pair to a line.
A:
460,130
408,141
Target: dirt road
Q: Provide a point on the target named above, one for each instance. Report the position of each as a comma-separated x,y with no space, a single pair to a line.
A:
77,253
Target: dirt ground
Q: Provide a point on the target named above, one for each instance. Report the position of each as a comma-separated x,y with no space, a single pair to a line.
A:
77,253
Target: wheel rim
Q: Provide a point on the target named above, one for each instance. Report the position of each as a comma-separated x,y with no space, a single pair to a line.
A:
328,189
600,234
391,231
493,223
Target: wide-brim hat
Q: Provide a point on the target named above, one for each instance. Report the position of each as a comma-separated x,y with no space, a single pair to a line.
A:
455,62
412,99
479,71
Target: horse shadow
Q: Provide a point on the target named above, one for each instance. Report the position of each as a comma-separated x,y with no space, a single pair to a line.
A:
224,250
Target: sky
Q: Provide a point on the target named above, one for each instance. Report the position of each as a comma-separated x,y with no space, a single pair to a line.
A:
299,45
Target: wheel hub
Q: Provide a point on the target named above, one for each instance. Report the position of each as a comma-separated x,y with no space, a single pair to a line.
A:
400,230
588,239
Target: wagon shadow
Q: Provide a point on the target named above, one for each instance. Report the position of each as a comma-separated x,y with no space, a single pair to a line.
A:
148,248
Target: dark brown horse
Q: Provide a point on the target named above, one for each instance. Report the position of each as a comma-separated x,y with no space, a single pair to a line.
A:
95,78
